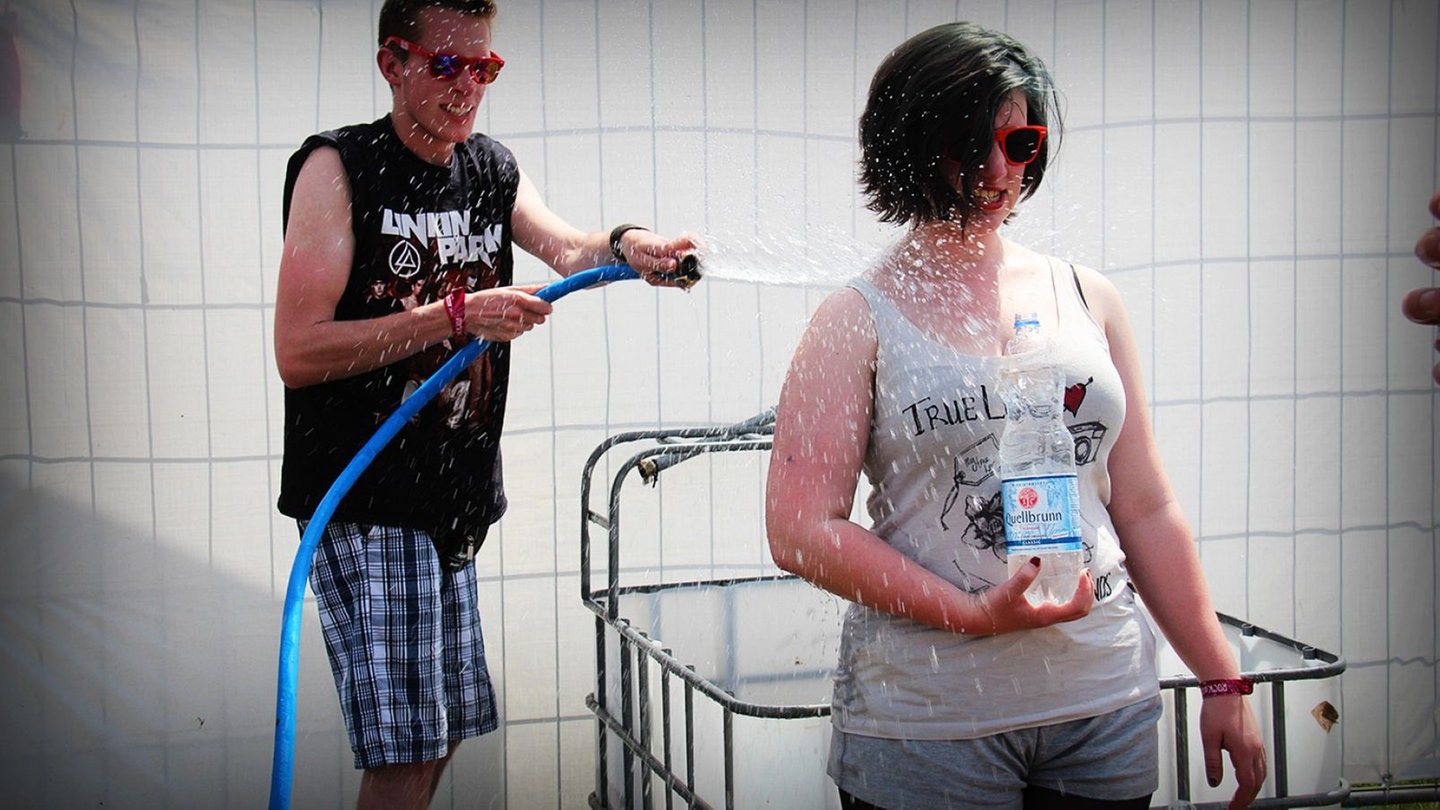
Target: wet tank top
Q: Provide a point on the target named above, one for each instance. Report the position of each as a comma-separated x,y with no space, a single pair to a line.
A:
933,467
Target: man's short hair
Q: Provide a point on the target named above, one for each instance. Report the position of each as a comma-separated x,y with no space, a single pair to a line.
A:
401,18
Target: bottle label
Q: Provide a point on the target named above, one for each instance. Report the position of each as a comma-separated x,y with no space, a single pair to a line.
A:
1042,514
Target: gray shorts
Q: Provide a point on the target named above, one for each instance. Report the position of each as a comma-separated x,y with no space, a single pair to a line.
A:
1112,757
404,642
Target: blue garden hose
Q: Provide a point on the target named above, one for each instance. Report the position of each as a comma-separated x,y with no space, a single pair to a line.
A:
283,766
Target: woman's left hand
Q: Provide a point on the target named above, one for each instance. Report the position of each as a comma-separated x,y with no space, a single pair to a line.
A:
1227,724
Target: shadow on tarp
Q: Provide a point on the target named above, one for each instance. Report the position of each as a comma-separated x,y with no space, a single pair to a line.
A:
136,674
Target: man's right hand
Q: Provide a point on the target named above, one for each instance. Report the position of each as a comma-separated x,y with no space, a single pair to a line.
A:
504,313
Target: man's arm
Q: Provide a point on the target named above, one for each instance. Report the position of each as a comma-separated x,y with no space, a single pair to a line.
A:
542,233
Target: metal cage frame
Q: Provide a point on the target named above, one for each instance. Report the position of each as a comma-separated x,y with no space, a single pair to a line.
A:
633,722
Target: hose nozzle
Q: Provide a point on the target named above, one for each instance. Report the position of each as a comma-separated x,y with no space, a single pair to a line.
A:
688,274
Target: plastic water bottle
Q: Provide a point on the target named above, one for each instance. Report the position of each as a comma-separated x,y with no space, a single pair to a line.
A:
1040,494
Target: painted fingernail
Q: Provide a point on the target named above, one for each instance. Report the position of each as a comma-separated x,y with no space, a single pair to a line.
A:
1035,561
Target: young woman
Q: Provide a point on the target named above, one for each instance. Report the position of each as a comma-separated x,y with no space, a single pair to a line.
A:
953,689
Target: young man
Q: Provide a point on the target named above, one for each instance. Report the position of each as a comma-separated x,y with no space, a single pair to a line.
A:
398,249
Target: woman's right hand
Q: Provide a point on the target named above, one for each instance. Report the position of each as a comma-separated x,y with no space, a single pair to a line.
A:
1007,607
502,314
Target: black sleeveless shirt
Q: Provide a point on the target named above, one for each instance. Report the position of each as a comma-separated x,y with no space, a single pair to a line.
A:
419,229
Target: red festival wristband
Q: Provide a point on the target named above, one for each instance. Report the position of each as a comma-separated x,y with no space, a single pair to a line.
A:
1226,686
455,308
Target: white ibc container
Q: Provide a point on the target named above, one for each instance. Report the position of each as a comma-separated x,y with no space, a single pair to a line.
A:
772,645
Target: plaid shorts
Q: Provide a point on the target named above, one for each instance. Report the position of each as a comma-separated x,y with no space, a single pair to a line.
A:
403,638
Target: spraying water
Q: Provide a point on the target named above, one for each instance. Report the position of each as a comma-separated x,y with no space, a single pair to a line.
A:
817,255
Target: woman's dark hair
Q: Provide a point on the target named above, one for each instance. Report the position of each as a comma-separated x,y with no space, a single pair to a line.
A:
401,18
938,94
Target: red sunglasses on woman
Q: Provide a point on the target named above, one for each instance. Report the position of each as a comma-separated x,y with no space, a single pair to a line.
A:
1021,145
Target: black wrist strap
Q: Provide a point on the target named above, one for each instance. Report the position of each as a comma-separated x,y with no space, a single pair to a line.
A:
615,234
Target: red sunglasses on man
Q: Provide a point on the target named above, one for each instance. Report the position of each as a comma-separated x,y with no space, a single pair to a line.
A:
483,70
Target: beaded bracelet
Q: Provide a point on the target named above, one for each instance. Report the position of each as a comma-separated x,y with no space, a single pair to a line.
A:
1226,686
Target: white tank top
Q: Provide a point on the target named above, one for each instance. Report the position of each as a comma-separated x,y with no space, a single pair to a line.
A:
933,466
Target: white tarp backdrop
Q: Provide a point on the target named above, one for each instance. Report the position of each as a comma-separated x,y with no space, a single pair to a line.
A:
1251,174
